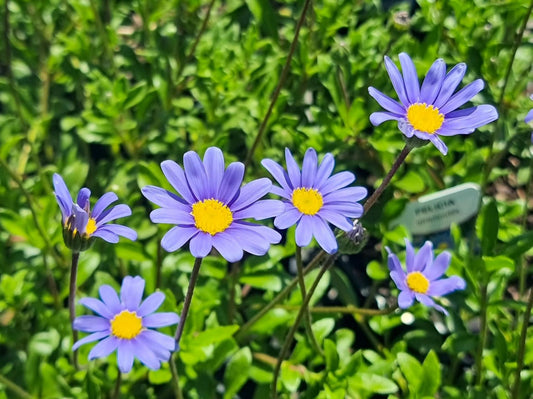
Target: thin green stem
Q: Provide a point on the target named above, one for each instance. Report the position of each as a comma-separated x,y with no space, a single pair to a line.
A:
529,193
72,304
308,321
116,389
233,279
386,180
522,346
277,299
175,378
343,309
14,388
188,299
288,339
281,82
482,334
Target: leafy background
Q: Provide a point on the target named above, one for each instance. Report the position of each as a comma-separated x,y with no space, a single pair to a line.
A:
103,91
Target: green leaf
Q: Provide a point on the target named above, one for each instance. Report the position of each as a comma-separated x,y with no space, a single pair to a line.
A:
489,227
237,371
411,182
431,375
366,382
412,370
44,343
161,376
322,328
331,355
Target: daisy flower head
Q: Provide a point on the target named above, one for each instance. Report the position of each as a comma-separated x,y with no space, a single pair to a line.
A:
126,325
313,197
81,224
430,111
211,207
422,278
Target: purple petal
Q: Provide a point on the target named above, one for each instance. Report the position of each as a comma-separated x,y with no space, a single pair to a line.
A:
410,78
104,348
158,350
250,240
469,118
98,307
250,193
145,355
324,235
116,229
231,182
110,298
338,180
529,116
116,212
377,118
196,175
163,340
349,194
279,174
423,258
91,324
125,355
150,304
386,102
397,80
405,299
262,209
201,245
324,170
433,82
176,237
409,256
106,235
439,266
90,338
287,219
178,180
462,96
336,219
83,198
424,299
63,197
437,142
171,216
103,202
228,247
450,83
445,286
293,169
214,167
164,198
349,210
161,319
80,219
304,231
395,266
281,192
131,292
399,280
309,168
268,234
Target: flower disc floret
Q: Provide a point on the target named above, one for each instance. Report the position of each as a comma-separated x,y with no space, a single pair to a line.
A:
307,200
431,110
126,324
417,282
211,216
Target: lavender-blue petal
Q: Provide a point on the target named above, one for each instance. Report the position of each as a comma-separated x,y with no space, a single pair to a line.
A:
309,168
83,198
249,239
104,348
90,338
81,217
131,292
161,319
410,78
338,180
172,216
214,168
437,142
287,219
304,231
110,298
158,350
91,324
386,102
164,198
451,81
268,234
424,257
116,212
63,197
150,304
336,219
394,265
397,80
120,230
281,192
125,355
471,117
348,194
163,340
228,247
145,355
347,209
409,256
106,234
324,170
462,96
231,182
97,306
176,237
250,193
445,286
201,244
196,175
433,82
324,235
103,202
399,280
260,210
529,116
405,299
426,300
176,177
439,266
377,118
279,174
293,170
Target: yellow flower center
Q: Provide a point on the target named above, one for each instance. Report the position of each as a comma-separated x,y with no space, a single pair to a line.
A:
91,227
307,200
417,282
425,118
211,216
126,325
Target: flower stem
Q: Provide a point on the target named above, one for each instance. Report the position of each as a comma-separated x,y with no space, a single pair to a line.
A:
15,388
343,309
308,321
188,299
281,82
118,382
72,305
522,346
482,334
175,378
288,340
277,299
386,180
233,279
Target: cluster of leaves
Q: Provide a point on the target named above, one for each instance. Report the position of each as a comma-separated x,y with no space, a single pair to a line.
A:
102,92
